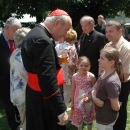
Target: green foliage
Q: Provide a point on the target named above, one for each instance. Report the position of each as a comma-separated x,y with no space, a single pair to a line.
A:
76,8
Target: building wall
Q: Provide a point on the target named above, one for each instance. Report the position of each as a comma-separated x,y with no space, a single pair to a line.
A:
121,18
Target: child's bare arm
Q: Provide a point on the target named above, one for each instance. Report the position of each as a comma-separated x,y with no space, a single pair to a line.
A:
98,102
93,79
93,92
115,104
72,91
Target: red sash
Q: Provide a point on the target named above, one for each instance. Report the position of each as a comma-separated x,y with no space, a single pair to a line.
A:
33,80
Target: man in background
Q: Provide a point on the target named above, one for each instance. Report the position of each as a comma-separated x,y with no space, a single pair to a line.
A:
91,43
100,26
114,34
6,48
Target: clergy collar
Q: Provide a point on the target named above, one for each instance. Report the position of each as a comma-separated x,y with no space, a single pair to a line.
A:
90,33
45,28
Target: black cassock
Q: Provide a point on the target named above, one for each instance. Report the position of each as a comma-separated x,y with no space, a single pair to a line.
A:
90,46
40,58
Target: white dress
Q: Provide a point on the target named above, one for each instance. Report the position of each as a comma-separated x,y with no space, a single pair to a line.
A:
18,78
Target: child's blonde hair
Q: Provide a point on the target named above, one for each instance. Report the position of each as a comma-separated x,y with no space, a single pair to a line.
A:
71,35
83,58
113,54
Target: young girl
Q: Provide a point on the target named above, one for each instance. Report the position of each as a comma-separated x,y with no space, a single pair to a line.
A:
82,109
69,69
107,88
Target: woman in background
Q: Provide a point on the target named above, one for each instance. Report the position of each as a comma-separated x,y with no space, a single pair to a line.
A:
18,76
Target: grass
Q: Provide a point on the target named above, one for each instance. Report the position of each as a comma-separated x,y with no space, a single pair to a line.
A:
4,124
71,127
3,120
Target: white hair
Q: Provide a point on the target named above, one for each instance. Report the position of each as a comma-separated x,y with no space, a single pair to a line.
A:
20,35
89,19
51,19
13,22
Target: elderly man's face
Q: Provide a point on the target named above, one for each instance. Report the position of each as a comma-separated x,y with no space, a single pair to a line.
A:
11,31
87,27
60,29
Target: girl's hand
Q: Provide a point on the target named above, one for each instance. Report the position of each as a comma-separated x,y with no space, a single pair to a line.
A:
120,103
98,102
85,98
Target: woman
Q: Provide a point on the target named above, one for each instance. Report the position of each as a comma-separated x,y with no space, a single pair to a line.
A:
18,76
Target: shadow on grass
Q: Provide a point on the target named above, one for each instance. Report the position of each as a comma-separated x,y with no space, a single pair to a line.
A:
69,126
4,124
3,119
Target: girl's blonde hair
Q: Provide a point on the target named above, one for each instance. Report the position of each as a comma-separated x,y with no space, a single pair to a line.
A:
113,54
83,58
71,35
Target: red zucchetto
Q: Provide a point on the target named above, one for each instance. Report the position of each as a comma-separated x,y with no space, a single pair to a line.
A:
58,12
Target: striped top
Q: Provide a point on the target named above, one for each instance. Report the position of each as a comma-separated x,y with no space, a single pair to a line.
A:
123,46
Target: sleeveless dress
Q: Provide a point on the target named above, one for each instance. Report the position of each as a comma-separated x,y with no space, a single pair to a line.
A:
83,111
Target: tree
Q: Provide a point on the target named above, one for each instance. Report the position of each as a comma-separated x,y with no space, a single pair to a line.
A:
76,8
39,8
